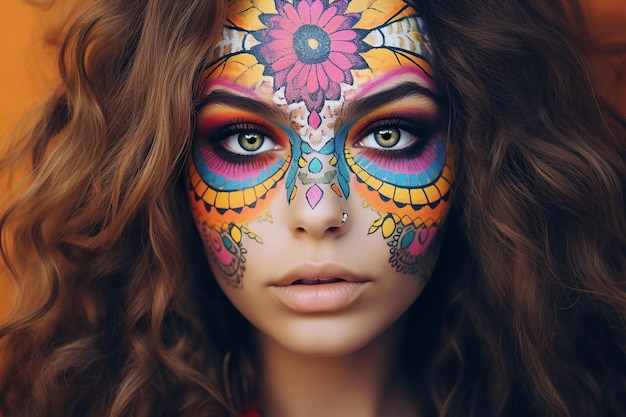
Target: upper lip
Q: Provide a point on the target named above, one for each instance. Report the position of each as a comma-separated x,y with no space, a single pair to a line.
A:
322,272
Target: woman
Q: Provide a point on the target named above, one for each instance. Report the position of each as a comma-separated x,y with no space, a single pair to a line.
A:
250,228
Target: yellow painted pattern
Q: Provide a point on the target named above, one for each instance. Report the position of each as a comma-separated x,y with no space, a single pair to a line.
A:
383,60
409,196
243,69
413,196
418,196
233,201
401,195
293,193
388,226
376,12
235,233
249,196
246,13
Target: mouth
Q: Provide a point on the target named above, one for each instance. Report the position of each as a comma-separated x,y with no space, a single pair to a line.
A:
317,281
311,274
319,292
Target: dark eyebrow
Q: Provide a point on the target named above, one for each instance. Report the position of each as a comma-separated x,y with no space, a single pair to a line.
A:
260,108
370,103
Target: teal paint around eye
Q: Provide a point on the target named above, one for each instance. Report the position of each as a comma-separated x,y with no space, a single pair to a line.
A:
296,148
315,166
219,181
402,180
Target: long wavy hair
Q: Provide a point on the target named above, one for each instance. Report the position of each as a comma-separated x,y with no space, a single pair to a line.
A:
116,315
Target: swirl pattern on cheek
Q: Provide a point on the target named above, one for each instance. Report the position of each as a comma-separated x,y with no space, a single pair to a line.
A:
226,251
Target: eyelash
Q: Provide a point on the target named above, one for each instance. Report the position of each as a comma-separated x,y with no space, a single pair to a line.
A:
420,128
238,126
214,139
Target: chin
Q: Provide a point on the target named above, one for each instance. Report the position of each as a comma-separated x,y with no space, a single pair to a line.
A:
327,337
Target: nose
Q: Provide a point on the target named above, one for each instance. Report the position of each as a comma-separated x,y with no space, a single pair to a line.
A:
318,212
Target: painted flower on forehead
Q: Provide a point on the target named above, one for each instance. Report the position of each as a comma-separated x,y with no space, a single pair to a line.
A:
309,53
309,47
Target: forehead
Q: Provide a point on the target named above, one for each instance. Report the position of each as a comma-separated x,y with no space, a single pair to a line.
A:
313,53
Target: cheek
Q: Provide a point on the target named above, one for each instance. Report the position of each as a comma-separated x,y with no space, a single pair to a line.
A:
415,242
221,246
411,198
416,188
223,199
224,193
224,251
405,183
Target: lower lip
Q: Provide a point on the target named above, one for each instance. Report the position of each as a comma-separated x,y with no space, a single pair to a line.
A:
319,297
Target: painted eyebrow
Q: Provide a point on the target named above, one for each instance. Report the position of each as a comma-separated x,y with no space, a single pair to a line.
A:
244,103
370,103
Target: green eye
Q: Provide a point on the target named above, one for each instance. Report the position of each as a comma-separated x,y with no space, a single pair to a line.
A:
250,141
388,137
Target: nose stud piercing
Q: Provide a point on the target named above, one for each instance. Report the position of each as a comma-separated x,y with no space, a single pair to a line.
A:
344,218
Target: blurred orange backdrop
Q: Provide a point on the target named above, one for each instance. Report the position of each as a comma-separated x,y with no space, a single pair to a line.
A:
27,70
26,67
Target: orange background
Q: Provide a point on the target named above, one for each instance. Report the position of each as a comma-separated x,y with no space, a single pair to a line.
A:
27,69
26,66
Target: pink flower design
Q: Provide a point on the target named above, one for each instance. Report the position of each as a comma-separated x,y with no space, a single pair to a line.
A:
310,47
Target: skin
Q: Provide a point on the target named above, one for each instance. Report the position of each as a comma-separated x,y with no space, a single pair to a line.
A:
314,110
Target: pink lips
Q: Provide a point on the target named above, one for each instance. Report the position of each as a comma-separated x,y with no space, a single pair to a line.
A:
319,288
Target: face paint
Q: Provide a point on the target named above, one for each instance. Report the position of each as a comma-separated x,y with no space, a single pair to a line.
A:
313,60
310,48
404,173
313,109
231,176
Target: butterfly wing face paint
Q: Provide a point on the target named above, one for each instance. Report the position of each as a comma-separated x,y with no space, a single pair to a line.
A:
410,187
328,99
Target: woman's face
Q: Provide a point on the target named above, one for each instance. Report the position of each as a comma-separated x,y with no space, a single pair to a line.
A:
320,177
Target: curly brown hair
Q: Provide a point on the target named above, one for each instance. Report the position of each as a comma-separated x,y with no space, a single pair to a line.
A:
115,315
539,322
